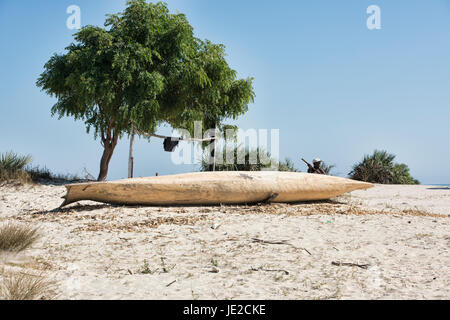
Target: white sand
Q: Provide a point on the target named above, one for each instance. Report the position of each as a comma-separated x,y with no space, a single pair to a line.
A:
96,251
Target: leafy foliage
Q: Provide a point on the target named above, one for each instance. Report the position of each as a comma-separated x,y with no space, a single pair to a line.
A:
241,159
144,68
381,168
327,167
287,165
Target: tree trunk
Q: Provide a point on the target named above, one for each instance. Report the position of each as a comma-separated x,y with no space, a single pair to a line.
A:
104,163
109,144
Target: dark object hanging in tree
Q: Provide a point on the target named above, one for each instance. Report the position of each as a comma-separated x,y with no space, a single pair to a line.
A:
170,144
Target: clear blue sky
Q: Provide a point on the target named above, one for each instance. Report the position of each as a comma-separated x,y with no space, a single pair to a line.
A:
335,89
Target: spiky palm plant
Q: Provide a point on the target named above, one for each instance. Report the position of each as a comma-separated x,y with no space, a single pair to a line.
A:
327,167
381,168
12,166
11,161
287,165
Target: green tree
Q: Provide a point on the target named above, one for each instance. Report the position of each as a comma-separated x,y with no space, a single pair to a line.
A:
381,168
145,68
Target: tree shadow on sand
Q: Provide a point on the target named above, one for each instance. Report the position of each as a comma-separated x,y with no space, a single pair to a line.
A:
326,201
99,206
61,182
76,208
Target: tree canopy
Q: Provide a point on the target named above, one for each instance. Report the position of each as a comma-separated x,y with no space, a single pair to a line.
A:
145,67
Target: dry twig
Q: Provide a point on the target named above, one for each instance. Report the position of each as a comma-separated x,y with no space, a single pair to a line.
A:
350,264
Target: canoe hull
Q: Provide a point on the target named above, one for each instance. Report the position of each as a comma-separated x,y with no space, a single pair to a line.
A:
203,188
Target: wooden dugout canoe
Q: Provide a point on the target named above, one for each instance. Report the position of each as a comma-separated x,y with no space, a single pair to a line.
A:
203,188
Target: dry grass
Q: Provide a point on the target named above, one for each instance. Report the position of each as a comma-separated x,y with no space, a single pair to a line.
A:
141,225
12,167
16,237
35,264
19,176
15,168
25,286
325,208
109,218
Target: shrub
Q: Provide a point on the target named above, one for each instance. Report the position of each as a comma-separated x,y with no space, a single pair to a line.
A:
327,167
287,165
381,168
12,167
402,175
16,237
24,286
262,157
37,173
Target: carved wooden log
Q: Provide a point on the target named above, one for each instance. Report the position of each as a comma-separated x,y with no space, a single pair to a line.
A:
226,187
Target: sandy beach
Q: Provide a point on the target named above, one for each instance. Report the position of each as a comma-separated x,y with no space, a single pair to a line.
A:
389,242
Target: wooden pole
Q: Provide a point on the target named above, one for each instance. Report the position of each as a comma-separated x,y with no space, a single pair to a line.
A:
130,156
214,150
212,155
